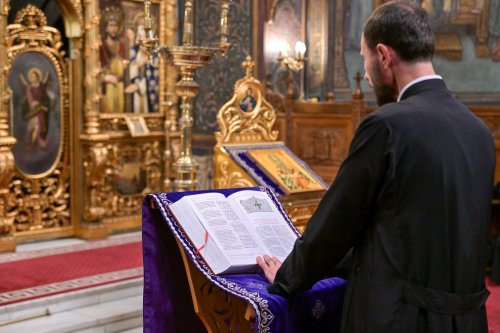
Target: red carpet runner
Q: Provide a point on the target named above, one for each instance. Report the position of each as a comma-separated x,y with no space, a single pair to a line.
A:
493,307
34,274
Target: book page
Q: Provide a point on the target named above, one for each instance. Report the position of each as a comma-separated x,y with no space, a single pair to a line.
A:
196,232
226,227
267,222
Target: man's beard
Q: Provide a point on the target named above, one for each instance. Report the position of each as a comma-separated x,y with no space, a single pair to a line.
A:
384,92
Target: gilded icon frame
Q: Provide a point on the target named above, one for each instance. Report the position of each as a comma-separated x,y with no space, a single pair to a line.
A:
38,158
137,126
38,80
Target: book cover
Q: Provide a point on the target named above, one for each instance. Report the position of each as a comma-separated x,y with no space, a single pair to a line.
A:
241,154
285,170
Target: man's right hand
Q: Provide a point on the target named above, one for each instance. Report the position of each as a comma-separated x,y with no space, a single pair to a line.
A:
269,265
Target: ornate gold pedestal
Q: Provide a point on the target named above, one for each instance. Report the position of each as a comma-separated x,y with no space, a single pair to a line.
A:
239,128
7,241
187,58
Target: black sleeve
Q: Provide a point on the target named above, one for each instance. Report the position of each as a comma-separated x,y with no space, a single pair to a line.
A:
342,213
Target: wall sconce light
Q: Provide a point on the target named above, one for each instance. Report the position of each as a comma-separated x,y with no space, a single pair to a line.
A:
293,63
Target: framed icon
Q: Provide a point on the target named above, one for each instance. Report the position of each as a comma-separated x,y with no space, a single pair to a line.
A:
137,126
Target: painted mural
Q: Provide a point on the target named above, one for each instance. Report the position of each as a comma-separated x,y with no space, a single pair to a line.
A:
465,46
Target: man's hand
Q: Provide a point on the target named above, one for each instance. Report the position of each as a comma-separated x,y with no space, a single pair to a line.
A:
269,265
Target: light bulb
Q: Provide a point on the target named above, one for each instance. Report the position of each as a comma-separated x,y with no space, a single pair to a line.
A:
300,48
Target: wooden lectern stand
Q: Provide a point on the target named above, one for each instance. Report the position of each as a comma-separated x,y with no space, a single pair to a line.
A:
182,295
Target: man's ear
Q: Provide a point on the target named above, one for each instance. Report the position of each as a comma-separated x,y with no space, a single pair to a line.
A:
385,55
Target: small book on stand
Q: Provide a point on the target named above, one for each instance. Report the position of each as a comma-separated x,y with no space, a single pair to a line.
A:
229,232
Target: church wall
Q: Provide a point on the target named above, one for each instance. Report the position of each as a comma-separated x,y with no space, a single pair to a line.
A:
465,34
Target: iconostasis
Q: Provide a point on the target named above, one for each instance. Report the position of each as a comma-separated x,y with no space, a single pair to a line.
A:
83,117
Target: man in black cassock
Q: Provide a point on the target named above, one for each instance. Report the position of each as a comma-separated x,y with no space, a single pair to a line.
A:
412,198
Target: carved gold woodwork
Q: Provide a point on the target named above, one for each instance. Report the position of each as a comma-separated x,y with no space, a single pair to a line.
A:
7,242
103,165
228,173
240,126
218,310
237,125
108,148
248,119
96,166
38,204
95,153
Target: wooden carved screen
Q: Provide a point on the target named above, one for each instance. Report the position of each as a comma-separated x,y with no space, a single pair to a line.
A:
129,114
38,202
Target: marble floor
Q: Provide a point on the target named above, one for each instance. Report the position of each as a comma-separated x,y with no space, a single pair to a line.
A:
114,307
49,244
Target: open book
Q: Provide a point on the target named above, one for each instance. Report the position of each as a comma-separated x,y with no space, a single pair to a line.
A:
229,232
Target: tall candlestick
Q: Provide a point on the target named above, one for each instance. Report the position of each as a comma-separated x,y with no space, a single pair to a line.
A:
187,57
187,36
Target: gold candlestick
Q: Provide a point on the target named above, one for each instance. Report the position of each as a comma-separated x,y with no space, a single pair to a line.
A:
187,58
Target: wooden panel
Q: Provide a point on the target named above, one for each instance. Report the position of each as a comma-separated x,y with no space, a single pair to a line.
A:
281,127
490,114
322,141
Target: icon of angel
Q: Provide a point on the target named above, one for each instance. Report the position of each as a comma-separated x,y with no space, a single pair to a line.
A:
37,103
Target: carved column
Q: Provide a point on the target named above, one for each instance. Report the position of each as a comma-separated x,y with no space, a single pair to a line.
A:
170,25
7,242
95,153
169,97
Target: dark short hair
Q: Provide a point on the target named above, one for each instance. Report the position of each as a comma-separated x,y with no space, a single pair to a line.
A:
403,26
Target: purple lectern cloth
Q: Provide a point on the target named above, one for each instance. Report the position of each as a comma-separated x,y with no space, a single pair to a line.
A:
167,300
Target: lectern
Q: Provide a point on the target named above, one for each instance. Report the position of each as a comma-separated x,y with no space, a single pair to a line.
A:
181,294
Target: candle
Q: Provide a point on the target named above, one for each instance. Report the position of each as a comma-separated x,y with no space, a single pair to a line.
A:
223,21
147,14
300,50
148,25
187,36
